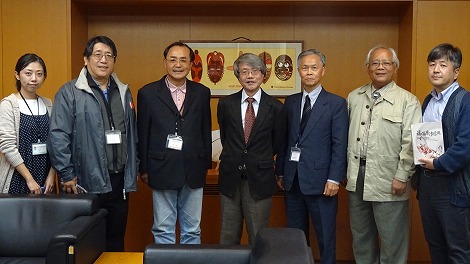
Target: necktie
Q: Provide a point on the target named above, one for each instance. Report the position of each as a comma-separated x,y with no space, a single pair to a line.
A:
305,114
249,118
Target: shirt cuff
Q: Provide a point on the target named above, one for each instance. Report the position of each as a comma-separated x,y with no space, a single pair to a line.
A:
335,182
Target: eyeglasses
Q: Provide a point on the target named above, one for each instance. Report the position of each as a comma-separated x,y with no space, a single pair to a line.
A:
246,72
175,61
98,56
376,64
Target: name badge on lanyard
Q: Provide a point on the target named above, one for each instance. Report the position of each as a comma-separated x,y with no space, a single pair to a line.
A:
39,148
174,142
295,154
113,137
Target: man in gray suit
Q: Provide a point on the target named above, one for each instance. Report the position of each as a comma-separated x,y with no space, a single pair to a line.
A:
252,126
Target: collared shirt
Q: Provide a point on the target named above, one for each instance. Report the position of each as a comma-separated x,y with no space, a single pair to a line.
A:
438,102
313,98
105,92
177,93
244,104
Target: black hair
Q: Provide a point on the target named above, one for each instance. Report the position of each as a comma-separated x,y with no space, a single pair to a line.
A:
24,61
99,39
448,51
179,44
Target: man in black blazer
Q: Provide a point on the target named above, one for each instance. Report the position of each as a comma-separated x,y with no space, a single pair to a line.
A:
174,123
252,127
312,163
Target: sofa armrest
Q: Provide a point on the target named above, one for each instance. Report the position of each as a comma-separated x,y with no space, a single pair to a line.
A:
86,235
196,254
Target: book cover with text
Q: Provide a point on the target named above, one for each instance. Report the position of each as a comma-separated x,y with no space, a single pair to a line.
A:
428,140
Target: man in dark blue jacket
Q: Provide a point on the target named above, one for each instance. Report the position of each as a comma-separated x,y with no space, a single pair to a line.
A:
444,182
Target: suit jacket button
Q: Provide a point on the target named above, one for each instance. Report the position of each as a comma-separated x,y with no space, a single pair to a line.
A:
240,167
358,139
245,151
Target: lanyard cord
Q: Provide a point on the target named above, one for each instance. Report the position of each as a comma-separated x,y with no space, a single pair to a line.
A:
108,107
34,118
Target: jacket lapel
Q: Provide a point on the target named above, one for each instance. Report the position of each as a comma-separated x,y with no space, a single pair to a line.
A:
189,97
317,111
235,109
263,110
164,94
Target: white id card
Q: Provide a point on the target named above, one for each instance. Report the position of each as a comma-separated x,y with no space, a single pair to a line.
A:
174,142
295,154
39,148
113,137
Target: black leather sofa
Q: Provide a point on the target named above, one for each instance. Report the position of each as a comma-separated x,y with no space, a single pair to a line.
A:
272,246
52,229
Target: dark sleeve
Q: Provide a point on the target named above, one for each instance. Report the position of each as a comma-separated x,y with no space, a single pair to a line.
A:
143,126
280,140
339,141
59,141
279,129
457,156
207,128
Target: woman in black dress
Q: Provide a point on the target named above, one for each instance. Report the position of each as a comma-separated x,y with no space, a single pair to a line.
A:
24,126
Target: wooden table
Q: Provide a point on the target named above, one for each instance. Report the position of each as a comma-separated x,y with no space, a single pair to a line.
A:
120,258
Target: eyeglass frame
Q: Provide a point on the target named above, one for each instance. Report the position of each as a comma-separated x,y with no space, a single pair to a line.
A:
99,56
385,64
174,61
247,72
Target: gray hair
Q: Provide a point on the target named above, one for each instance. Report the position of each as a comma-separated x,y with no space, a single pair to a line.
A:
251,60
311,52
391,50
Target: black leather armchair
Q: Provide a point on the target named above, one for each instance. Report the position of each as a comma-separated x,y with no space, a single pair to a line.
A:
51,229
272,246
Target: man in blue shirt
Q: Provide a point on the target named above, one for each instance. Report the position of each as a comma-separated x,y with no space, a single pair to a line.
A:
444,182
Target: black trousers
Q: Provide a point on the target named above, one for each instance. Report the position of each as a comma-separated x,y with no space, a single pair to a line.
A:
118,207
446,226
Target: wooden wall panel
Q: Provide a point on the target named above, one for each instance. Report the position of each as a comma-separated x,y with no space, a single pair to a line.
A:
30,26
432,31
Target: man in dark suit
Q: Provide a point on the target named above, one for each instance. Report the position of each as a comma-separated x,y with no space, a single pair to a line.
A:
174,123
312,162
252,126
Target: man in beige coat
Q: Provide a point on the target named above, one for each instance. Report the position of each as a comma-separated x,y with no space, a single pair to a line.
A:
380,162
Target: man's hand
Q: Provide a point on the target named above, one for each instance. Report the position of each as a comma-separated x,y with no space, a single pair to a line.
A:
428,163
398,187
280,182
331,189
70,186
144,177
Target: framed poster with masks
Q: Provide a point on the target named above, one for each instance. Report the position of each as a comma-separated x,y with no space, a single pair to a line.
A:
213,65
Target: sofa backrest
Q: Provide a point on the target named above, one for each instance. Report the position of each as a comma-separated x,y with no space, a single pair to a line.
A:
196,254
281,246
28,222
